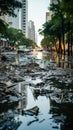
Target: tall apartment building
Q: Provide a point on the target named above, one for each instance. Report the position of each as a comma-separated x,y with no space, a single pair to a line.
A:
14,21
21,21
31,30
48,16
24,17
54,1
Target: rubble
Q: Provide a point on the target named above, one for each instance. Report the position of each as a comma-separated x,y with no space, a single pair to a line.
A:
31,111
52,82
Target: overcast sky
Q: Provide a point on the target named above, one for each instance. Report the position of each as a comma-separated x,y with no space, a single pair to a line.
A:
37,12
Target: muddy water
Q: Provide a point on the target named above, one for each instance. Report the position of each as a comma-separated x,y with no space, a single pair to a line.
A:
51,74
44,119
50,117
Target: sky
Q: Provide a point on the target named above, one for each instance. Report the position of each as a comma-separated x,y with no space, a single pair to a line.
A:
37,12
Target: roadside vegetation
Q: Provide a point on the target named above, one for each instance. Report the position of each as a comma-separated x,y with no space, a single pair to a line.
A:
12,36
58,31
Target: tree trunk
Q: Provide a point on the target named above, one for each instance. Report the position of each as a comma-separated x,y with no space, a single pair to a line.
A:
68,45
60,48
69,39
71,44
63,35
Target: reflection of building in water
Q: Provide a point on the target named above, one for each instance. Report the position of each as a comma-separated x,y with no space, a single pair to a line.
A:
62,113
8,121
63,61
39,55
17,59
22,89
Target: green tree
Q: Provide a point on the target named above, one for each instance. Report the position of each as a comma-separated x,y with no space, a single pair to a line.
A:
9,6
2,27
67,7
52,31
14,36
58,13
60,26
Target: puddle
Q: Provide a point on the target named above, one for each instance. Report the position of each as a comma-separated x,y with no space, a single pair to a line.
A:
41,121
40,76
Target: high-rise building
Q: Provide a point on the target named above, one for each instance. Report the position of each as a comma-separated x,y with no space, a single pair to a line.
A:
24,17
14,21
21,21
54,1
48,16
31,30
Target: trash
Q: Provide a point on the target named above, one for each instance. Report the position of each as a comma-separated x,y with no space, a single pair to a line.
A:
30,122
3,58
31,112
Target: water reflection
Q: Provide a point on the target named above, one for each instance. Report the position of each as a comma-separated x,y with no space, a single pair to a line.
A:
43,120
17,59
22,89
10,111
43,58
51,115
7,116
62,113
60,60
64,61
39,55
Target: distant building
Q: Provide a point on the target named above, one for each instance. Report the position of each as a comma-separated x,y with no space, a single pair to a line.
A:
54,1
48,16
14,21
3,41
24,17
31,30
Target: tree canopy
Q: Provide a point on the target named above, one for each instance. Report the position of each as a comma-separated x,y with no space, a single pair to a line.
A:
9,6
60,27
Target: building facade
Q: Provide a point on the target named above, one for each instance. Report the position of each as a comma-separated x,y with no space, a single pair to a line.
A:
54,1
50,12
24,17
21,21
48,16
14,21
31,30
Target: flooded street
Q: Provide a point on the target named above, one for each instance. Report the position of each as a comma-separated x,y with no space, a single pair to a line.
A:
36,92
